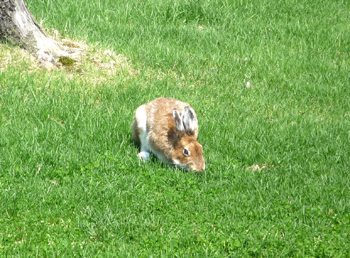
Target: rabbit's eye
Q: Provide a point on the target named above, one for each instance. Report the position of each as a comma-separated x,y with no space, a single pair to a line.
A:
186,152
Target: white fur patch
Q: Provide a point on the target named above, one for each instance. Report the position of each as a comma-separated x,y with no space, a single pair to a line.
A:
141,118
144,156
176,162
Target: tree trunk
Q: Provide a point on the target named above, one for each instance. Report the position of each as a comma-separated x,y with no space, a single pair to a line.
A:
19,27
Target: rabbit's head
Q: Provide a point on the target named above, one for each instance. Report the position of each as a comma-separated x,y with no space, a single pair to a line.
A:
187,152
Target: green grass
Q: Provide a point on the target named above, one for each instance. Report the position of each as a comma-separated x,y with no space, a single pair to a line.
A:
70,180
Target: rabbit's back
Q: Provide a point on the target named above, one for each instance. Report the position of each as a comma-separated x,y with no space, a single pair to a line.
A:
160,115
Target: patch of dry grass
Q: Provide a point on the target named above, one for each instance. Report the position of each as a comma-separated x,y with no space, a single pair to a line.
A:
14,57
92,64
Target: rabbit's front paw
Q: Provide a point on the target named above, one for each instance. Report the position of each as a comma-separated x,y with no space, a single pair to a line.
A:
144,156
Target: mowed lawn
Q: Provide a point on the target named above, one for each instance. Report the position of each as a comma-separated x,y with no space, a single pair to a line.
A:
270,83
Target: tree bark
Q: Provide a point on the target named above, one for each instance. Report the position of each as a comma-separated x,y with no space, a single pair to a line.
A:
19,27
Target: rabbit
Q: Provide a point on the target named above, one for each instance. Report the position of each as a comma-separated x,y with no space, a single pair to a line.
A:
169,129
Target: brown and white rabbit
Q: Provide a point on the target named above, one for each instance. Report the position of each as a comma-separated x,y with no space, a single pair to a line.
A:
169,128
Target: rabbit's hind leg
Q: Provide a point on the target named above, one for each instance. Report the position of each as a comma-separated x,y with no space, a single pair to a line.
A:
139,133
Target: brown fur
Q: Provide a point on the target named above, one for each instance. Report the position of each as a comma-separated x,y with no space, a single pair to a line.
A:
163,139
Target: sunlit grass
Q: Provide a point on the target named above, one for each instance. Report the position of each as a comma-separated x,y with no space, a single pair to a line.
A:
277,181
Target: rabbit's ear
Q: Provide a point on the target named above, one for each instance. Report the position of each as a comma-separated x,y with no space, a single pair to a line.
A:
178,121
188,119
